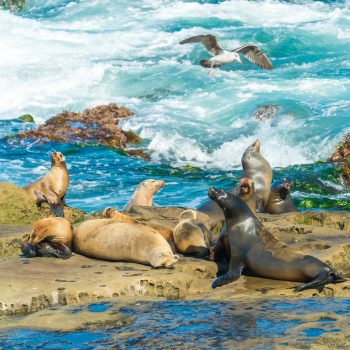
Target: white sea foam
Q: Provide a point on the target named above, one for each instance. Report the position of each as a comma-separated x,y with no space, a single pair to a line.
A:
81,54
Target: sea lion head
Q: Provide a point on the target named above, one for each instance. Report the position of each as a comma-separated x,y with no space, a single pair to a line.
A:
220,197
246,186
282,187
57,158
40,231
153,185
107,213
188,214
255,147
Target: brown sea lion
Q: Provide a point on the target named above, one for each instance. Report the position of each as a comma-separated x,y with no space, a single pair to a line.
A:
110,239
280,200
53,186
191,237
111,213
143,195
246,191
257,168
248,245
49,237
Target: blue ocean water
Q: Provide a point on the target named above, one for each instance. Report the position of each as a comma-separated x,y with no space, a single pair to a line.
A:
198,325
71,55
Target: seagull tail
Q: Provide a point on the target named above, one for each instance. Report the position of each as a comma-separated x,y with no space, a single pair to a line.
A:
208,64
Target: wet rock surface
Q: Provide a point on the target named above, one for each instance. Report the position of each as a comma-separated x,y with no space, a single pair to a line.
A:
98,125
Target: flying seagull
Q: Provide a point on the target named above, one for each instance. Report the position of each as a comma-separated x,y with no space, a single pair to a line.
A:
221,56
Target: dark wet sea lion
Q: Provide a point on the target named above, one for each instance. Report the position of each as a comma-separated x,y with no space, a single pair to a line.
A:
246,191
50,237
53,186
257,168
280,201
191,237
143,195
248,245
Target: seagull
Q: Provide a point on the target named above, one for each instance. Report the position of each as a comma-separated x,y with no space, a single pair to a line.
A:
221,56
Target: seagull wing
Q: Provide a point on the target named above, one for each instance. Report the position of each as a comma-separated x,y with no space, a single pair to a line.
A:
255,55
209,41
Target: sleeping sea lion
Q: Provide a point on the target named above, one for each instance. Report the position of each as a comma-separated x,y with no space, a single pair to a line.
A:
248,245
111,213
51,237
110,239
190,236
280,200
257,168
143,195
246,191
53,186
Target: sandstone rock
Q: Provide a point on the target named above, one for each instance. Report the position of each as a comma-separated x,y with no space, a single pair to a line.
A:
164,216
16,206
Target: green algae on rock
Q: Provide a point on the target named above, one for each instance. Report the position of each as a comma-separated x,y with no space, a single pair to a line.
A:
26,118
16,206
98,126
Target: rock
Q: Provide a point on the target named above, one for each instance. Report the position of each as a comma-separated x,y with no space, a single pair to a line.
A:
16,206
13,5
265,112
342,155
164,216
97,125
29,285
26,118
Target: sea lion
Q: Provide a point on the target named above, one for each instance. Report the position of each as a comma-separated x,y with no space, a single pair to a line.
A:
280,200
53,186
50,237
257,168
248,245
246,191
190,236
111,213
143,195
110,239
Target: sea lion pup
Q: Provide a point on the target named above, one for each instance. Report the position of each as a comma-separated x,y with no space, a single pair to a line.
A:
280,201
248,245
111,213
143,195
52,187
246,191
257,168
110,239
51,237
190,236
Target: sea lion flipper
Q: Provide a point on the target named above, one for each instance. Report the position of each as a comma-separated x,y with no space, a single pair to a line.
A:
64,252
55,203
47,250
229,277
319,282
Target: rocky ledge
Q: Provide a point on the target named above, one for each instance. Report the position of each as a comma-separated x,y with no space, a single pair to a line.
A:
98,125
29,285
341,155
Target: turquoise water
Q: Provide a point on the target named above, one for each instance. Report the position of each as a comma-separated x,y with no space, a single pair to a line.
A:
71,55
198,324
